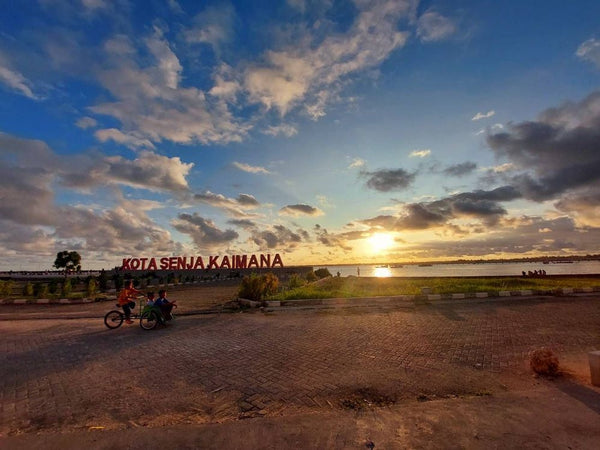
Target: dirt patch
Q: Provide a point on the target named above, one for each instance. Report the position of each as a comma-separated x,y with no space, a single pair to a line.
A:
363,398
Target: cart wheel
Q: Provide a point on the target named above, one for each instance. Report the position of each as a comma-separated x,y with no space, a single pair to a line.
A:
148,320
113,319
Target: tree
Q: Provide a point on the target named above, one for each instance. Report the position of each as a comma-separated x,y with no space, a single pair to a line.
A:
70,261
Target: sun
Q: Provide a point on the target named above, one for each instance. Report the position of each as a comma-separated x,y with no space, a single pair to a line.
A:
380,242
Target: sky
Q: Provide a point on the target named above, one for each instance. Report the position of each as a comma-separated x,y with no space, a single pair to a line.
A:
329,132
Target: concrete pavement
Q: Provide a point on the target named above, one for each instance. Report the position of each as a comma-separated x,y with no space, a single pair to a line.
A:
340,365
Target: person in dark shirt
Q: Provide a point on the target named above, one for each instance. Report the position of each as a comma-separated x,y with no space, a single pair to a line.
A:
164,304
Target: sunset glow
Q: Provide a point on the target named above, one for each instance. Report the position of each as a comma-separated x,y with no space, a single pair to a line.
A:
326,132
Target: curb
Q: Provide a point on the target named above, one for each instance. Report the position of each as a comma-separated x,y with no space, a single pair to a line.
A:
428,297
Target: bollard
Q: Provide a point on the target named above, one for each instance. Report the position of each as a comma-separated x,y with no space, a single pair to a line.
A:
594,358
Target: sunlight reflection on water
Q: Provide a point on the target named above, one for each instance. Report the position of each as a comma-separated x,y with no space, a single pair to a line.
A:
382,272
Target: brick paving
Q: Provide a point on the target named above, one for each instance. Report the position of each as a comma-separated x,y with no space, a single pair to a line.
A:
72,374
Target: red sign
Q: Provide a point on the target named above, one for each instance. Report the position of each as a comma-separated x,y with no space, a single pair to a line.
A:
197,262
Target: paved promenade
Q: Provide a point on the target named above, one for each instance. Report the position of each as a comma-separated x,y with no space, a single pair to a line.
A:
76,375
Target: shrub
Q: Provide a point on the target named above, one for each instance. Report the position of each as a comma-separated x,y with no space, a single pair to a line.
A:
53,287
91,287
66,288
310,276
295,281
322,273
103,281
118,281
544,362
6,288
28,289
256,287
40,290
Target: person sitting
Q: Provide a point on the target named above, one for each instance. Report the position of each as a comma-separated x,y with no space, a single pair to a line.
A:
165,305
126,300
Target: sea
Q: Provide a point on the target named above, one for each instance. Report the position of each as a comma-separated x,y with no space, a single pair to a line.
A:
465,270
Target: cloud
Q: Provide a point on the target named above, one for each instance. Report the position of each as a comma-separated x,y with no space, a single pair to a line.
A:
129,140
515,236
544,149
590,51
86,122
481,115
300,210
214,26
480,205
433,27
278,237
204,232
151,104
386,180
14,80
250,169
311,72
357,162
420,153
458,170
244,201
284,129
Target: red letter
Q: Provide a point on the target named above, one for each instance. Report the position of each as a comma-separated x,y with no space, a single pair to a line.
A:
265,261
241,261
277,260
125,265
135,264
181,262
225,263
199,263
164,263
253,261
152,264
143,263
173,263
212,261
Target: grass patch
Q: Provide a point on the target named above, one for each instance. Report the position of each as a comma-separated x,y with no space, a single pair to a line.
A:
349,287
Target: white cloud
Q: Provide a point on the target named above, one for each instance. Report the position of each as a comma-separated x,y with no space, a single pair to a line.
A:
284,129
356,163
213,26
432,26
86,122
312,74
590,51
250,169
113,134
15,80
481,115
420,153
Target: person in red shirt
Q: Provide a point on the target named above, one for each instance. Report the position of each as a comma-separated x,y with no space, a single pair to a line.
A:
127,297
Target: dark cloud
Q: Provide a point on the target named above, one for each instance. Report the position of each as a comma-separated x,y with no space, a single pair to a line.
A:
482,205
557,153
203,231
386,180
461,169
520,236
234,207
242,223
331,240
300,210
276,237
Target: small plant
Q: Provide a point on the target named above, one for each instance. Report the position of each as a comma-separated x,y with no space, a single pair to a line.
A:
256,287
28,289
544,362
103,281
295,281
91,287
52,287
310,276
66,288
40,290
6,288
322,273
